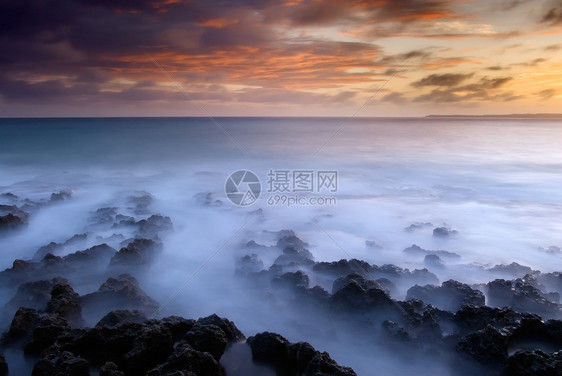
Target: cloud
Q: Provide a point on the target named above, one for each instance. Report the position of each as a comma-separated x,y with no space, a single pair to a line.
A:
483,89
395,97
553,47
554,15
546,94
448,79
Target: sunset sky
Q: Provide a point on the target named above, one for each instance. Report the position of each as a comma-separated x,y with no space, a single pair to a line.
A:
279,58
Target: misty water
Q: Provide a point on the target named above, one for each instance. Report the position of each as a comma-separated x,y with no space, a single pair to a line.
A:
496,182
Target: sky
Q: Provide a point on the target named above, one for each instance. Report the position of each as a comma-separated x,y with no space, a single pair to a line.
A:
279,58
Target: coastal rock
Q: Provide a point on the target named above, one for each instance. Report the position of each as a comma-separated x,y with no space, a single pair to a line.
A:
139,252
450,296
65,303
186,361
365,283
34,294
11,222
514,270
207,338
121,316
110,369
292,280
487,346
534,363
65,363
63,195
415,249
521,296
343,267
21,328
443,232
3,366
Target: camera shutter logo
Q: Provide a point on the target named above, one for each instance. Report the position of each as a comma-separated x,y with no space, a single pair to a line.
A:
242,187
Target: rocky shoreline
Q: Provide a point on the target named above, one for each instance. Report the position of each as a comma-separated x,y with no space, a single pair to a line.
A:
507,326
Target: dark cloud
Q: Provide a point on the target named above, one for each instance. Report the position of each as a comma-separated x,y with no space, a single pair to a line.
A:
553,47
319,13
533,63
414,10
395,97
496,68
554,14
546,94
448,79
483,89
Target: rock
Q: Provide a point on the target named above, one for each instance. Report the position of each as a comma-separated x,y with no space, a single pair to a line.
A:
34,294
521,296
21,329
443,232
395,333
293,359
343,267
417,226
433,261
55,248
46,333
354,299
141,201
154,225
450,296
292,280
233,334
139,252
110,369
534,363
65,363
63,195
119,317
472,318
293,257
249,264
417,250
207,199
372,244
365,283
3,366
66,303
21,271
188,361
487,346
153,343
178,326
118,293
514,270
207,338
11,222
288,239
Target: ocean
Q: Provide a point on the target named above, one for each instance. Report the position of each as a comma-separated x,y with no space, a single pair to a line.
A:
348,187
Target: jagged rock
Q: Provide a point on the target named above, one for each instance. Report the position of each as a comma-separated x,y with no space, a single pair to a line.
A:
450,296
110,369
534,363
96,255
34,294
189,362
288,239
139,252
207,338
11,222
417,226
178,326
417,250
514,269
233,334
3,366
365,283
294,257
65,363
66,303
118,317
353,299
21,329
153,343
154,225
103,216
55,248
343,267
46,333
443,232
292,280
118,293
249,264
521,296
487,346
433,261
63,195
394,332
472,318
293,359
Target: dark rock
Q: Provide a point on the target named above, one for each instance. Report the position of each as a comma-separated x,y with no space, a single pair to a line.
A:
233,334
395,333
443,232
154,225
354,299
178,326
534,363
418,226
433,261
119,317
249,264
207,338
10,196
294,257
140,252
487,346
34,294
288,239
11,222
343,267
110,369
292,280
61,196
66,303
3,366
65,363
21,271
365,283
118,293
55,248
521,296
272,349
188,361
417,250
46,333
141,201
323,365
21,329
450,296
514,269
472,318
103,216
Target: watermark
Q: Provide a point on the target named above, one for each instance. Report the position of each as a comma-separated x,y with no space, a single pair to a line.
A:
285,187
242,187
